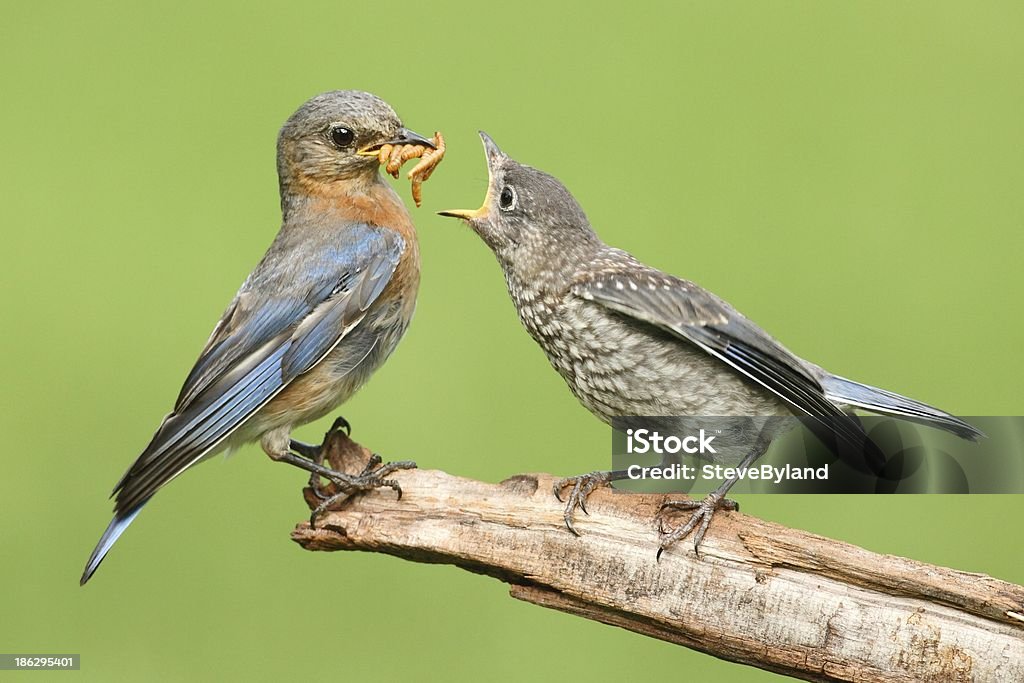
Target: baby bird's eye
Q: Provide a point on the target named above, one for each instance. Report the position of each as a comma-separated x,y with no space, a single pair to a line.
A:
507,200
342,136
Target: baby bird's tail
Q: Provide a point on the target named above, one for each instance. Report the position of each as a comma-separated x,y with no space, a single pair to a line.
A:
842,390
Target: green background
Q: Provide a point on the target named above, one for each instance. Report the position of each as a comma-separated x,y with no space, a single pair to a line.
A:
847,174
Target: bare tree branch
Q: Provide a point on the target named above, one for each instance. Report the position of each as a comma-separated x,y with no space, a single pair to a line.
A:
760,594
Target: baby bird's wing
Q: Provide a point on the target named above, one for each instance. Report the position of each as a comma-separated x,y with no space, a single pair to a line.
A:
291,312
706,321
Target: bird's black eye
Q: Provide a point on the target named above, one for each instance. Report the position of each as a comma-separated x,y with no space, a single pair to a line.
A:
342,136
507,200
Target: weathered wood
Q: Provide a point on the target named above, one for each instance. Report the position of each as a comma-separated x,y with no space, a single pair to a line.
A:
760,594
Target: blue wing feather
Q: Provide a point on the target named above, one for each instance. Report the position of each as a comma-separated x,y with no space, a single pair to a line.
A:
296,306
288,315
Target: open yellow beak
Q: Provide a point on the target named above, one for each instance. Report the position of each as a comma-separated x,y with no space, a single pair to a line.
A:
494,155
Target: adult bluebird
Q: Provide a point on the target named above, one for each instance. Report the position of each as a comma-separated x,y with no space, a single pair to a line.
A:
322,310
630,340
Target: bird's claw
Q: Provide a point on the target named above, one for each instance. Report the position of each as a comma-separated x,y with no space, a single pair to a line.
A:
582,486
703,511
318,453
339,423
392,157
372,477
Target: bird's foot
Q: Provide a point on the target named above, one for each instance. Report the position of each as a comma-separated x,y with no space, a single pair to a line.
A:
372,477
703,511
392,157
316,454
580,488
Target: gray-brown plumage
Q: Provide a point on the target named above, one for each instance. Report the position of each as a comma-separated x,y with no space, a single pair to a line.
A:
630,340
322,310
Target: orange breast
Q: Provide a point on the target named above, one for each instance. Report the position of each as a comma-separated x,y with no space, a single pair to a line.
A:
319,390
381,206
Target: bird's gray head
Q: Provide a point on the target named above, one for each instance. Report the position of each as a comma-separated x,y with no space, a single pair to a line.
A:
336,136
527,214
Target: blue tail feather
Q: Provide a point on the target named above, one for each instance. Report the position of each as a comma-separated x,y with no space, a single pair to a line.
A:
110,536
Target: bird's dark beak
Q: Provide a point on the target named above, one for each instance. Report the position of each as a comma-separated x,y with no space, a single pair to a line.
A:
404,137
494,155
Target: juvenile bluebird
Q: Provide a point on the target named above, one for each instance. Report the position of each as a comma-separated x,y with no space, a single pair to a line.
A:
630,340
322,310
